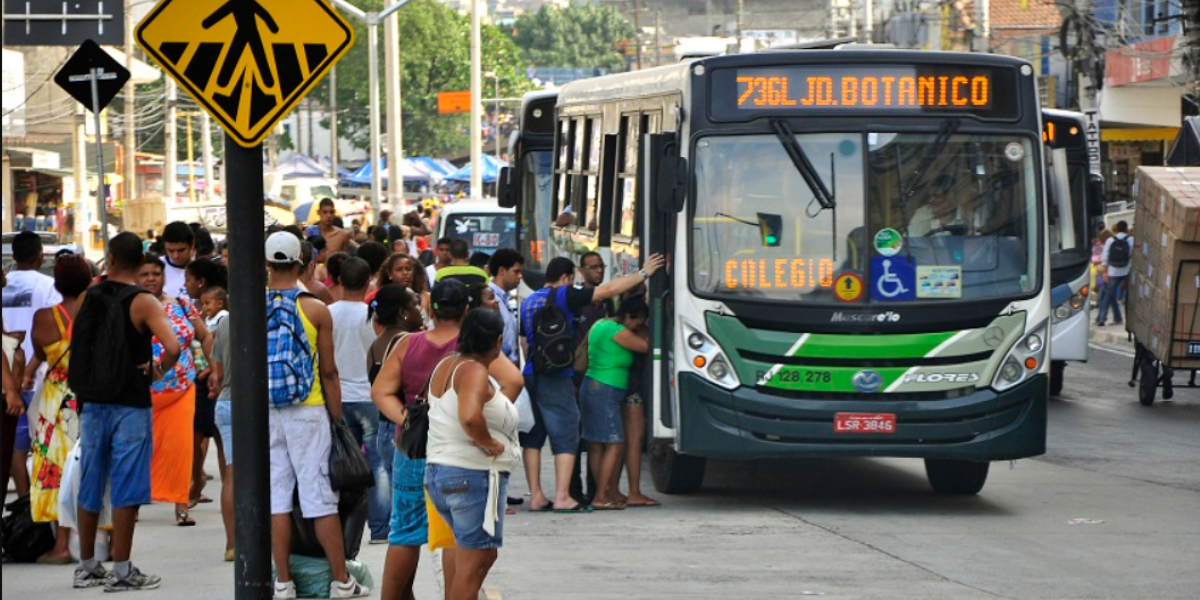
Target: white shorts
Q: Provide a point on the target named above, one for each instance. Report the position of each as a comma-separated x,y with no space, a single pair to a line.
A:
300,445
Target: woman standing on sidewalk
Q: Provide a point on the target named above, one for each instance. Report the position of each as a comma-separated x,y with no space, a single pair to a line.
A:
56,426
174,398
611,347
472,450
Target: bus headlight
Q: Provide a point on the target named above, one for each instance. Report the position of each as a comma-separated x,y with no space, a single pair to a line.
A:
1068,309
1023,360
1063,312
706,357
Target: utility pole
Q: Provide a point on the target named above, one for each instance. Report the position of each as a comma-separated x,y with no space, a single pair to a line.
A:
869,21
333,123
657,38
130,138
83,209
206,151
395,128
191,159
741,6
637,32
833,14
170,147
476,106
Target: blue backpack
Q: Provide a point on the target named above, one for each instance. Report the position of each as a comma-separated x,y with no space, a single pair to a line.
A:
290,369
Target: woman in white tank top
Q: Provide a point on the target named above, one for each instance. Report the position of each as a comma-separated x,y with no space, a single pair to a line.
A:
472,449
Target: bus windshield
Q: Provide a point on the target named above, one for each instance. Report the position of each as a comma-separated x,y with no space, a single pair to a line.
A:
536,178
483,232
911,223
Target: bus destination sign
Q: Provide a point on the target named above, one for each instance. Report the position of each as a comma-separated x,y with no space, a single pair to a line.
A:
883,89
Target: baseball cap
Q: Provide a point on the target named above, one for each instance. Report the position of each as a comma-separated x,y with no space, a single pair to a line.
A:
449,294
283,247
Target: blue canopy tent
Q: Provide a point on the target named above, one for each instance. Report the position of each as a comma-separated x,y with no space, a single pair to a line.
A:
411,173
439,167
490,171
298,165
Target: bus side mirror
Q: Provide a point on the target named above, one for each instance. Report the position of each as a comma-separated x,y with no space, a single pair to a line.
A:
669,171
506,190
1096,195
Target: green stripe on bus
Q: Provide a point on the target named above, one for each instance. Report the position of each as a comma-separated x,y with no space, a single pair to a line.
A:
911,345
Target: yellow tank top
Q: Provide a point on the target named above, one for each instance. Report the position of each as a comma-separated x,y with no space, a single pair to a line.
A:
57,354
317,397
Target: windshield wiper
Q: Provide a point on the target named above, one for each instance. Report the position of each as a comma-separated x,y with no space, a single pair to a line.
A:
788,140
949,126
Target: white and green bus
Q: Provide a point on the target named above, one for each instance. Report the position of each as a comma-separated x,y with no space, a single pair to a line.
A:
857,253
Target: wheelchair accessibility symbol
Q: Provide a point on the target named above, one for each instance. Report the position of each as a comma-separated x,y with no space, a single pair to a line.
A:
893,279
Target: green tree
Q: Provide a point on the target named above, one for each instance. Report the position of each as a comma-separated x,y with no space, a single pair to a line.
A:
581,35
435,45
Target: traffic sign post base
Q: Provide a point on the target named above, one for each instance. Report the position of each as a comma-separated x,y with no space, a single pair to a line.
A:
248,331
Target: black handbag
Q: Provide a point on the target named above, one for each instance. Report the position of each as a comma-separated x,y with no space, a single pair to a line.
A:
413,435
348,468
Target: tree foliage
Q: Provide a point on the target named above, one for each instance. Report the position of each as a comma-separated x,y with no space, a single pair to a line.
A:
435,46
581,35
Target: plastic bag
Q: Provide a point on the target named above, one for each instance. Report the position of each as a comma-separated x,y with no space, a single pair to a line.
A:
313,577
348,468
525,420
68,492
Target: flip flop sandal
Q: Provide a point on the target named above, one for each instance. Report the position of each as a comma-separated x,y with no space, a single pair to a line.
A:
547,508
182,519
577,509
608,506
650,504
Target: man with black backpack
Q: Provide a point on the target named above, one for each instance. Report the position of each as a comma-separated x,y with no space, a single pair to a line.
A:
111,369
548,319
305,393
1118,254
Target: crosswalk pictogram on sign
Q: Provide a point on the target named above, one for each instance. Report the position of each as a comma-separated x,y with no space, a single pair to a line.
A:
247,62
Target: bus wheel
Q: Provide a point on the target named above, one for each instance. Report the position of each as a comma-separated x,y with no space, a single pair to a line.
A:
1148,381
956,477
675,473
1057,370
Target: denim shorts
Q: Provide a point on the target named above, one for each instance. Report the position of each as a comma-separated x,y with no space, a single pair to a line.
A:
410,522
116,443
460,496
555,413
601,406
224,418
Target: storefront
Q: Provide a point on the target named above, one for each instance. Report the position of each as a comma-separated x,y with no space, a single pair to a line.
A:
1122,151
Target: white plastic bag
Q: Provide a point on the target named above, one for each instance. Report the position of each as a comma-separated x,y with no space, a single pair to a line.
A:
524,412
68,493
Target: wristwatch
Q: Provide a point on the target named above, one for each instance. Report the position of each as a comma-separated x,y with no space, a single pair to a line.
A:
643,273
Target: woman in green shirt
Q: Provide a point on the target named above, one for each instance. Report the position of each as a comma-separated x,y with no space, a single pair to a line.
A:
611,345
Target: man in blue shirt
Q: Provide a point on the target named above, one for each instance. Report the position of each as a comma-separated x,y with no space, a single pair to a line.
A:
555,409
505,268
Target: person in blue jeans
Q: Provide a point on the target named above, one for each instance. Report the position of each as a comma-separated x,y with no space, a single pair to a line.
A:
1116,264
115,427
555,409
353,335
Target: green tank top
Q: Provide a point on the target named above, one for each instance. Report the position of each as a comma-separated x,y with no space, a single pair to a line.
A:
608,362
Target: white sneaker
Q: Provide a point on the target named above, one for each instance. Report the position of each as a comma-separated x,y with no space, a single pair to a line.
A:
350,589
285,591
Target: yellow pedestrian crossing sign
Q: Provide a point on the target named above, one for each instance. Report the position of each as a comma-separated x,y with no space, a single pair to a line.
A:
247,62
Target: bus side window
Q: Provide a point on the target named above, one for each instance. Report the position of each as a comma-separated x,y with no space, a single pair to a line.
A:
561,181
625,211
609,167
590,176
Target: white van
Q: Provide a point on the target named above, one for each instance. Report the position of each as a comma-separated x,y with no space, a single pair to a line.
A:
483,224
300,190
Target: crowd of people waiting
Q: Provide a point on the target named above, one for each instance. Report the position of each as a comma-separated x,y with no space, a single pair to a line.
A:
361,331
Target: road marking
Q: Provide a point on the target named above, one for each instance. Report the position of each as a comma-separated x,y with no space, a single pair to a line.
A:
1112,350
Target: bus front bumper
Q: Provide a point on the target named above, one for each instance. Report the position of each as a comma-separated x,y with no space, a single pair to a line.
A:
745,424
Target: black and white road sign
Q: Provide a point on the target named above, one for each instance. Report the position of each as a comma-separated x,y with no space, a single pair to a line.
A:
89,71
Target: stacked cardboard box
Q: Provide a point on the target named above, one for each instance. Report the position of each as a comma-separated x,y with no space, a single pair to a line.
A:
1164,283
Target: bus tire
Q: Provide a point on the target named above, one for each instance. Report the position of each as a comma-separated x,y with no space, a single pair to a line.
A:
1057,371
956,477
675,473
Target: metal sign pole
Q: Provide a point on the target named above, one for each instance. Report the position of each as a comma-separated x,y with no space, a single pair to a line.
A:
248,330
101,202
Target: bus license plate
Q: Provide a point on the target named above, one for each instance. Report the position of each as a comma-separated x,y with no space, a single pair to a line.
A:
864,423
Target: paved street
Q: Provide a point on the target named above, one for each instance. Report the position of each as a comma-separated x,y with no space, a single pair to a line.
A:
840,528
